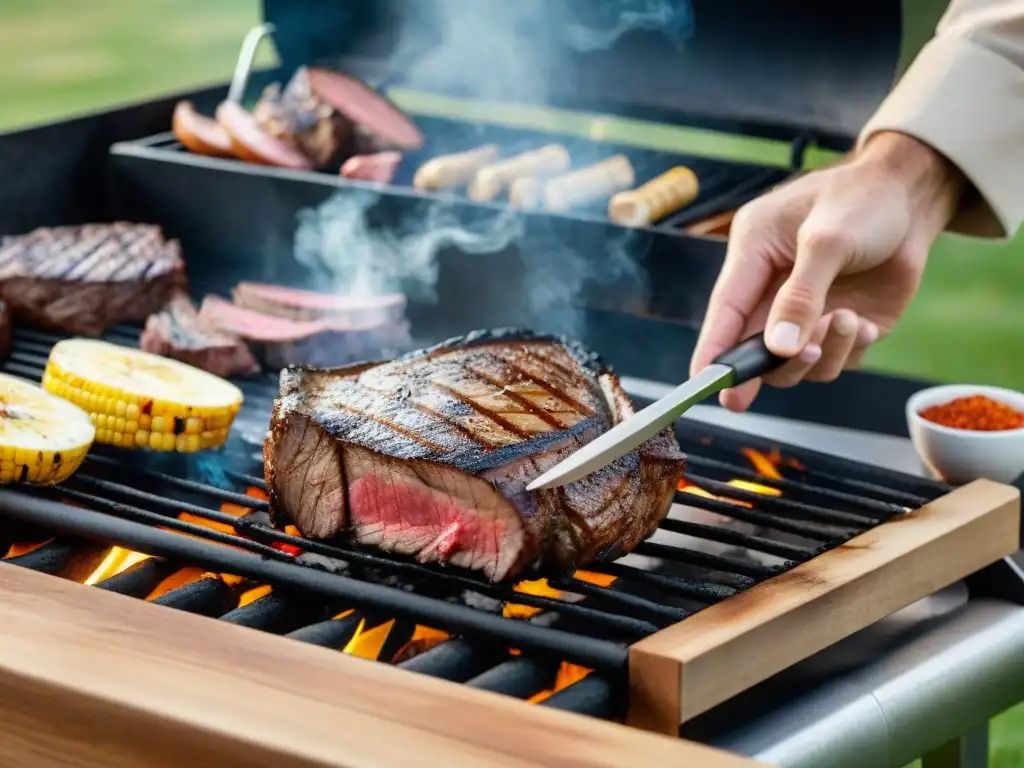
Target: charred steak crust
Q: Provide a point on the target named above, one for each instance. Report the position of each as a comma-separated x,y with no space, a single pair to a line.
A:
429,455
84,279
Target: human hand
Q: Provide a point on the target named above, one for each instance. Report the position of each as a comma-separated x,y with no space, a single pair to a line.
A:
828,263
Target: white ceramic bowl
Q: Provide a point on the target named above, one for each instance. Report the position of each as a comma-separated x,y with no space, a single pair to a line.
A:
961,455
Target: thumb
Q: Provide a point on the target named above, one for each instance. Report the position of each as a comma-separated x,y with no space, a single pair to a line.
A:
800,302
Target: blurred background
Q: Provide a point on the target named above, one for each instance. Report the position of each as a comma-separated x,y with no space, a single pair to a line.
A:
62,57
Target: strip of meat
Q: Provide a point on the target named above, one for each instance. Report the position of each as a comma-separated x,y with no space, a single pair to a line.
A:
84,279
176,332
430,455
279,342
297,304
379,167
198,133
250,142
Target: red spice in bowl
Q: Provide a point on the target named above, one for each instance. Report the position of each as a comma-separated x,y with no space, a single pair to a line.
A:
977,413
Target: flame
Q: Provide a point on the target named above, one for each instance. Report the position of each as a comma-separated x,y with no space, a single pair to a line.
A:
253,595
368,643
541,588
177,579
117,561
764,464
567,675
19,549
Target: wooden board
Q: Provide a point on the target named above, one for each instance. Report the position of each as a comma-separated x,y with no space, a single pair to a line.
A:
727,648
92,678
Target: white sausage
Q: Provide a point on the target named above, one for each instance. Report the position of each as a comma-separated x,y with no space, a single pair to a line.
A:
449,171
594,182
492,180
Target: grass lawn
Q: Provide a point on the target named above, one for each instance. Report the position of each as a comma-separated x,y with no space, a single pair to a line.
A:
60,57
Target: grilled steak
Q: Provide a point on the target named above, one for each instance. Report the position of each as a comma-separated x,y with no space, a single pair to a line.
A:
430,455
84,279
175,332
296,304
278,342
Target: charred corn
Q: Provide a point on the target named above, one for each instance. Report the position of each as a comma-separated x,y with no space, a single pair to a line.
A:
43,439
139,400
656,199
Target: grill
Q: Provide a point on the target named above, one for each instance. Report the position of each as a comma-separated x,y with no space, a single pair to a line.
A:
193,534
771,553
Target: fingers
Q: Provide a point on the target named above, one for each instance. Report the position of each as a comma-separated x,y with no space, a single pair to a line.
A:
820,254
836,349
867,334
745,277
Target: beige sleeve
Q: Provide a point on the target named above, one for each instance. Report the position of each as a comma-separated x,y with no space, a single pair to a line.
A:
964,96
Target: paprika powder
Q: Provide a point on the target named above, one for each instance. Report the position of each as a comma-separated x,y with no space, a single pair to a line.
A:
977,413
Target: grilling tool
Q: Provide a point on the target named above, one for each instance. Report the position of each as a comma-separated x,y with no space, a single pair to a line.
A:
746,361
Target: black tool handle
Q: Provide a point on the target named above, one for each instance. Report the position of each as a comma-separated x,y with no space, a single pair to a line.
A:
750,359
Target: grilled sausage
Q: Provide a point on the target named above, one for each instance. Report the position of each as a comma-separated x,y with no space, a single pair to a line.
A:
198,133
665,194
526,193
490,181
449,171
588,184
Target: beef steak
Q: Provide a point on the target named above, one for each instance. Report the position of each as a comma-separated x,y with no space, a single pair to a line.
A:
430,455
297,304
176,332
279,342
84,279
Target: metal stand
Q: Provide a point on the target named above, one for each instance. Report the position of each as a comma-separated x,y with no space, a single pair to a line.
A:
970,750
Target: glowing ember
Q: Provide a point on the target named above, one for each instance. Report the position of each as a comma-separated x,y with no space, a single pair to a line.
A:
747,485
177,579
538,587
252,595
117,561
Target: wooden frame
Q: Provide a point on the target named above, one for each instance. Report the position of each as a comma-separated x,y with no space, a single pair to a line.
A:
688,668
92,678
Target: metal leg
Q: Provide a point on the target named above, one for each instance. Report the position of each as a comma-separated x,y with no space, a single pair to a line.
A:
969,750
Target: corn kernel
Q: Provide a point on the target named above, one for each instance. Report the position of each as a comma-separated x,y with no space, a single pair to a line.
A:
142,438
121,408
159,424
131,412
193,426
166,442
154,441
131,426
119,424
145,422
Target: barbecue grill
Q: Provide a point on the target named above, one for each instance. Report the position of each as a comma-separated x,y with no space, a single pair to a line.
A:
773,552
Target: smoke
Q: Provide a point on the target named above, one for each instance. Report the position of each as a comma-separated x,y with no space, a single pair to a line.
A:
673,19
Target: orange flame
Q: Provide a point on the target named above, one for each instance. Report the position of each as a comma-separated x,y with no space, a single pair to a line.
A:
117,561
368,643
19,549
567,675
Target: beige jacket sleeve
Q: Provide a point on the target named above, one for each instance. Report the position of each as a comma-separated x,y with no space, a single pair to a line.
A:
964,96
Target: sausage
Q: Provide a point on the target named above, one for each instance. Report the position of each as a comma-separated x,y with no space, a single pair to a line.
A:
380,166
588,184
448,171
198,133
251,143
490,181
526,193
665,194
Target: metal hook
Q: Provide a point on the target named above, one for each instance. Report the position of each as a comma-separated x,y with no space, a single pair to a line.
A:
243,67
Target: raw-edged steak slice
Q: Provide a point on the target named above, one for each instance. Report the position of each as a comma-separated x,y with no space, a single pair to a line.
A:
429,455
176,332
298,304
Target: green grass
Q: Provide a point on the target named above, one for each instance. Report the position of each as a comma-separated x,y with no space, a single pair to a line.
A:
62,57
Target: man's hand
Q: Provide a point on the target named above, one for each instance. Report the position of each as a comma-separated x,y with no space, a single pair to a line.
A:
830,261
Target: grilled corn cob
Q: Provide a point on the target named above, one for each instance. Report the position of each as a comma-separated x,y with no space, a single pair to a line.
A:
139,400
43,439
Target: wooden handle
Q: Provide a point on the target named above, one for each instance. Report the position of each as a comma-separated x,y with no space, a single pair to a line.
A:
594,182
92,678
457,170
490,181
729,647
659,197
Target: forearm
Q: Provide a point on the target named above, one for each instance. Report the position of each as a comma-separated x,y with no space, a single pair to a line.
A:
964,96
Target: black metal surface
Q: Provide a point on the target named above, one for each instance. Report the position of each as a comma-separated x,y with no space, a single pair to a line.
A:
771,69
331,592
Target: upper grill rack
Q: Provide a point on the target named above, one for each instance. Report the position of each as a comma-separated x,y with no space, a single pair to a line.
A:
132,501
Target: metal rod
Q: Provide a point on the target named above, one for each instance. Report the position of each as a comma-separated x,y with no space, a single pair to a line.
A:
334,633
456,660
810,531
699,591
807,511
786,484
243,67
636,606
704,560
594,695
726,536
517,677
542,641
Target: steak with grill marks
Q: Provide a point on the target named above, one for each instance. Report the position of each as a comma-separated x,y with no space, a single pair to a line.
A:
176,332
84,279
429,456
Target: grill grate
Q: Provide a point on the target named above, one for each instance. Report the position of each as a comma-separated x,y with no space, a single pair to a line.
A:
329,593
